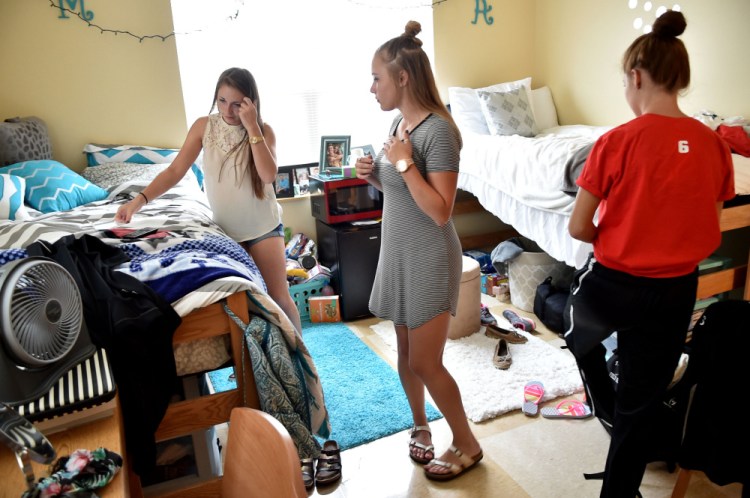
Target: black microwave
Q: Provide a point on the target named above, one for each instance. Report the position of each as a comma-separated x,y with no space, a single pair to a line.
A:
344,200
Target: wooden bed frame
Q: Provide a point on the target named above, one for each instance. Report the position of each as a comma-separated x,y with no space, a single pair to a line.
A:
732,218
184,417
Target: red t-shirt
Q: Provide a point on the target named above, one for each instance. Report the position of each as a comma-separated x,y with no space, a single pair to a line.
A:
659,179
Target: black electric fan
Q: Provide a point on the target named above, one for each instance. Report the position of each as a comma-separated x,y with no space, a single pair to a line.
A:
42,330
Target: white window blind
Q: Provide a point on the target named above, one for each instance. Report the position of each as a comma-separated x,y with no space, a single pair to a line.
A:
310,58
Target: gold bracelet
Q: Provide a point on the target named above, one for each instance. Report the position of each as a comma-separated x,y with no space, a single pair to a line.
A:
256,140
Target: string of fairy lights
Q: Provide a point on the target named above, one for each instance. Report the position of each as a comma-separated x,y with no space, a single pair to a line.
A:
66,11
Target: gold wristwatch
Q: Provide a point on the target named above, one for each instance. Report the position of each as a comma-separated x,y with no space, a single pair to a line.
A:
403,165
255,140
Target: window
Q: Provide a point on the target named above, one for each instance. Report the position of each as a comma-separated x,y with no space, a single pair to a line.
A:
311,60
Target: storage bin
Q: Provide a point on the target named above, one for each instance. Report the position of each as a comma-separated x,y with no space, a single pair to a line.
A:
302,292
467,319
529,269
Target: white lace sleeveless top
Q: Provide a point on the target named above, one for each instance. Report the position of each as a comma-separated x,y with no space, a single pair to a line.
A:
235,207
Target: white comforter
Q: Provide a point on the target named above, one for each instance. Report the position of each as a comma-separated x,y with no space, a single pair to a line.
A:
528,169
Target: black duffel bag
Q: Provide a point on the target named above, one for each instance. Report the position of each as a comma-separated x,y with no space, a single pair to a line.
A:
549,305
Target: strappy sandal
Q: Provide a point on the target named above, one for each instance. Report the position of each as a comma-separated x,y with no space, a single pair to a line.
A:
413,443
328,470
456,470
308,472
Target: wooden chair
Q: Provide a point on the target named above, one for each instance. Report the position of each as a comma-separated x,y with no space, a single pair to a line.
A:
261,459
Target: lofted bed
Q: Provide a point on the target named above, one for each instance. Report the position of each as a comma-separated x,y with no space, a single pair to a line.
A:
523,177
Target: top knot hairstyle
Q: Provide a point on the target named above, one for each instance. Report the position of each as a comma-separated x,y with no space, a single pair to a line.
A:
404,53
661,53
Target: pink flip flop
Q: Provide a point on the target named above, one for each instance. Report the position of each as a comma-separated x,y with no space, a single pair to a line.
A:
532,395
568,408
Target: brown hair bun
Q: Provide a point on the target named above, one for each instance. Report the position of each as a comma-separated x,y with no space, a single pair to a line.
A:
670,24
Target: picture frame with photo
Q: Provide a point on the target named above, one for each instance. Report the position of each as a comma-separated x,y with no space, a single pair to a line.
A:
334,152
284,183
301,180
363,150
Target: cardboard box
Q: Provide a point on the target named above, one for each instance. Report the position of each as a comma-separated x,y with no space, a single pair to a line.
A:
324,309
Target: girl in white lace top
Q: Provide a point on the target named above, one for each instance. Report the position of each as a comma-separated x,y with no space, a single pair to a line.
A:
239,162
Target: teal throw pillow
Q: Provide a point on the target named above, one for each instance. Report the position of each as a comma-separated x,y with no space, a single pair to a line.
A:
51,186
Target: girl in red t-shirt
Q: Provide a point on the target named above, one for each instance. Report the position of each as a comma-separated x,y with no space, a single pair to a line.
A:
658,183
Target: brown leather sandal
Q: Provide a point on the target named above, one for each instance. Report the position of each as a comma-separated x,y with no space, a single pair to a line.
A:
308,472
329,464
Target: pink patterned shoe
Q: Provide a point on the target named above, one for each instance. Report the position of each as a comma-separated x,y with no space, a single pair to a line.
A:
519,322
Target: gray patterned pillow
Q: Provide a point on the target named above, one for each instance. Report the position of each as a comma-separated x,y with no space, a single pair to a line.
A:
24,139
508,112
110,175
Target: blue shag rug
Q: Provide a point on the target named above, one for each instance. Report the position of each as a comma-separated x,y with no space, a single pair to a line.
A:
363,393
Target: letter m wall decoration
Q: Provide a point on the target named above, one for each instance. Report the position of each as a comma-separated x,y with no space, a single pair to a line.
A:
70,5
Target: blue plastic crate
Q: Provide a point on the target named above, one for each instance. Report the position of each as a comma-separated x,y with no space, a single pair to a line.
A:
302,292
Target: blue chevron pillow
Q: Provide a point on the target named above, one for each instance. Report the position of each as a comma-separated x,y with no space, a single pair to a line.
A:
12,191
52,186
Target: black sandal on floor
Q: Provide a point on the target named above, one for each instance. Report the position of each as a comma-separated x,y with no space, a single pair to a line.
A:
329,464
308,472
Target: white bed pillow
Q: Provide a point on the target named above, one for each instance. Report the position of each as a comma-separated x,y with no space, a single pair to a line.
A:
508,112
545,113
466,109
12,194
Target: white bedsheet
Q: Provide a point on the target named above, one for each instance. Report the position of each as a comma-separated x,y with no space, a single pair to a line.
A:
518,180
528,169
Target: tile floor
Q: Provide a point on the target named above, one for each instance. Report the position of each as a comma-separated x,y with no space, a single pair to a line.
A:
523,457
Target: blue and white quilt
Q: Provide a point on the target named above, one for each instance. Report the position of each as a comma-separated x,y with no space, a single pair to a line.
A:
188,251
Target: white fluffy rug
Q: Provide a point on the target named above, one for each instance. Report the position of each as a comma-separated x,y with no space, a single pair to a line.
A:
487,391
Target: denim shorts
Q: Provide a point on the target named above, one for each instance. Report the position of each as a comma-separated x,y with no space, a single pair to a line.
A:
276,232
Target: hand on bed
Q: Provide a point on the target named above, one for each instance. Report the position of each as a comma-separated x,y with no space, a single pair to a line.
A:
126,211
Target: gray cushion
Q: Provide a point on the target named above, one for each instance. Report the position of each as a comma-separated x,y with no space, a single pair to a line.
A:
24,139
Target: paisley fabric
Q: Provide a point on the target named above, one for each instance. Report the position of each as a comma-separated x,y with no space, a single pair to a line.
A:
287,383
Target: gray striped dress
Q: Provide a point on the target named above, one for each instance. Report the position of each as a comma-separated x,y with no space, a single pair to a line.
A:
419,268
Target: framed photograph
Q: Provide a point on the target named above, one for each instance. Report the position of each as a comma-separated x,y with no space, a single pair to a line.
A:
334,152
284,183
301,181
363,150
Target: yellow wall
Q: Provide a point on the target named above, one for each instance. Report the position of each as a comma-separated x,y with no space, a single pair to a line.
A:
580,44
575,47
474,55
91,86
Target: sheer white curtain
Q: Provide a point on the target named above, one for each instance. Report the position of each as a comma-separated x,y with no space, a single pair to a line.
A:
310,58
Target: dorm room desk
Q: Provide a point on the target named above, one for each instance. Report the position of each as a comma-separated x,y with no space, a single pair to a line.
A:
104,432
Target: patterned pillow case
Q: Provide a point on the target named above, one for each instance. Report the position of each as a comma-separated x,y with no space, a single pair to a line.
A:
137,154
51,186
12,191
110,175
508,112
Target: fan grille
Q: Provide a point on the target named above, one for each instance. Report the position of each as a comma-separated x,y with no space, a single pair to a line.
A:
46,313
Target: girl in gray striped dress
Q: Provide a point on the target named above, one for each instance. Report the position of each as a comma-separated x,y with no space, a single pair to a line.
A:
419,269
